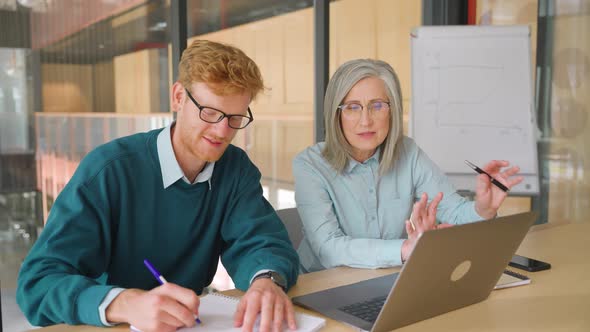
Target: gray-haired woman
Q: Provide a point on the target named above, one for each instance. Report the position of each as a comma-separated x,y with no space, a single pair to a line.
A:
356,191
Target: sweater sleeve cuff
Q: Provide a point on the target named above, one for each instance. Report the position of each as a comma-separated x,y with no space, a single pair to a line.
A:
88,302
102,308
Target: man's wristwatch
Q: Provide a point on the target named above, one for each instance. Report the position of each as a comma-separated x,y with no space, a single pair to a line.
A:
275,277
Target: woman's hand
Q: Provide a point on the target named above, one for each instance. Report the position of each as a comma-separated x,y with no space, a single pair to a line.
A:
422,219
488,197
423,215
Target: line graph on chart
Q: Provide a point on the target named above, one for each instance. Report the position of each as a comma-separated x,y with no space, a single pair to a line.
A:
467,97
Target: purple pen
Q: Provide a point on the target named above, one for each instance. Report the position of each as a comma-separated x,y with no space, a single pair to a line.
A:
154,272
160,278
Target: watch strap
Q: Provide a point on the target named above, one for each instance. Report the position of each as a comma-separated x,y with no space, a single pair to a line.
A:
274,277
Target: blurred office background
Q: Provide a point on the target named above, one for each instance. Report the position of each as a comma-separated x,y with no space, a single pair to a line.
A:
75,74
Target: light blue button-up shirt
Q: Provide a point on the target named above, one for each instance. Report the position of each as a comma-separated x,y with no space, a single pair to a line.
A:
357,218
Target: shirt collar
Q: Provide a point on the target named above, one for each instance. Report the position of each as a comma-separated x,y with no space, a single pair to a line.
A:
171,171
353,163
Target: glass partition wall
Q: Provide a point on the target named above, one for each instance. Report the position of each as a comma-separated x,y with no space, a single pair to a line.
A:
18,195
560,40
73,75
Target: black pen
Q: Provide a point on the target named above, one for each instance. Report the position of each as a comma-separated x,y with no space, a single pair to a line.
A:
481,171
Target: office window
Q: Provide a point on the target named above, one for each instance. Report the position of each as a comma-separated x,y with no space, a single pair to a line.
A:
564,154
104,73
18,220
73,75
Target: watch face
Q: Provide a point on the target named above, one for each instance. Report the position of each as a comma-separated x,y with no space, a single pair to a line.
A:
278,279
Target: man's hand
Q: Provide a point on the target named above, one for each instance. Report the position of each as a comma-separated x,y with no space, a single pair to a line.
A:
268,299
164,308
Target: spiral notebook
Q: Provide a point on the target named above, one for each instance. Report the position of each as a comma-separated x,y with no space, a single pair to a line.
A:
217,314
512,279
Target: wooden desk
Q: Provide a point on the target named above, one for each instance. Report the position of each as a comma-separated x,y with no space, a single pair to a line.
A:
556,300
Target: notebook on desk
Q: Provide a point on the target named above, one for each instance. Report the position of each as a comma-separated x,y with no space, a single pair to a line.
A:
449,268
216,312
512,279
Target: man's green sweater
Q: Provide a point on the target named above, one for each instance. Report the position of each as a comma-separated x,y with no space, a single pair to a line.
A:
115,212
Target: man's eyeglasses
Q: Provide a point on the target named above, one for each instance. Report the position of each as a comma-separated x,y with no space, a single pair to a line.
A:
212,115
354,110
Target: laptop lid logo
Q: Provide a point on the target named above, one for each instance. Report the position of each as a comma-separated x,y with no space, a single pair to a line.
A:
461,270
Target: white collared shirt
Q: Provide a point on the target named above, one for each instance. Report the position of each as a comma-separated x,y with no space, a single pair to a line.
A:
171,170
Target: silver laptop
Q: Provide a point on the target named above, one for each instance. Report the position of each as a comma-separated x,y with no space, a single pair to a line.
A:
449,268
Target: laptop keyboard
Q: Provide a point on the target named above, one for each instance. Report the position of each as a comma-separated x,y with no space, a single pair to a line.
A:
367,310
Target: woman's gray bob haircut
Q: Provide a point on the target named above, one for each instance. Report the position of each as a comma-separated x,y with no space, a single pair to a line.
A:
337,150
